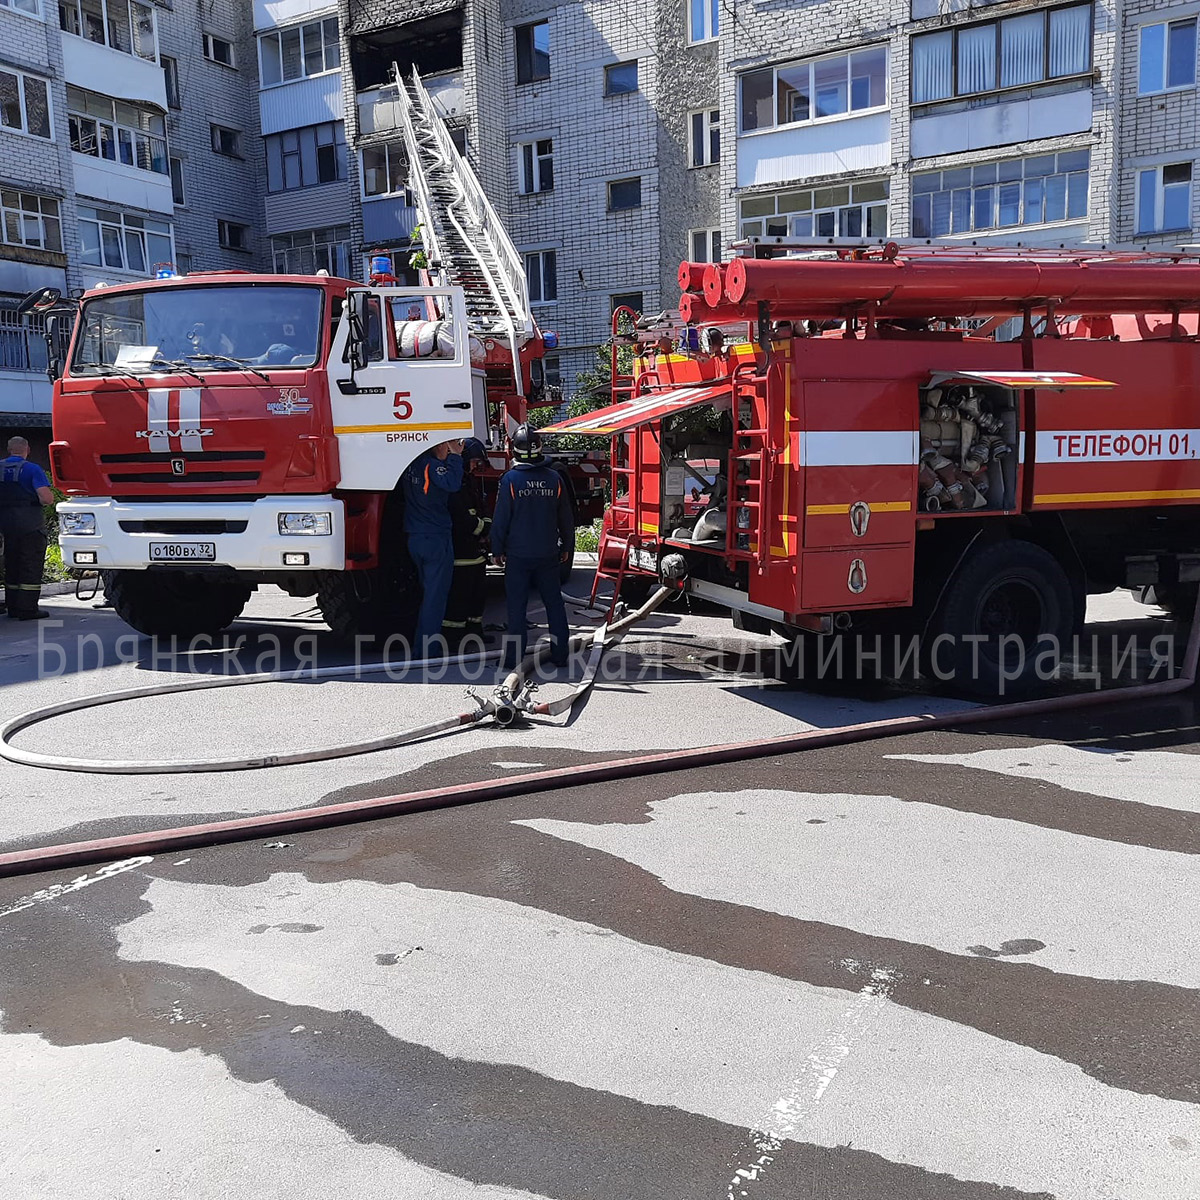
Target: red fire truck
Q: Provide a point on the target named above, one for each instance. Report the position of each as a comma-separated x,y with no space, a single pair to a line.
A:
219,431
870,466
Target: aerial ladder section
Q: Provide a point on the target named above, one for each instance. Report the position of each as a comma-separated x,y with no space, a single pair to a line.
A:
464,239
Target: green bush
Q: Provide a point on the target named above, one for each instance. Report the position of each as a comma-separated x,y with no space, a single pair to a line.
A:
587,537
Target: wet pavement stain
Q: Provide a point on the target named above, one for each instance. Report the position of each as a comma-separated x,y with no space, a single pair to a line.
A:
487,1123
287,927
1012,947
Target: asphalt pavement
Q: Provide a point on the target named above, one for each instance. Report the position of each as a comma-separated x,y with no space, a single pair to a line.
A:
954,965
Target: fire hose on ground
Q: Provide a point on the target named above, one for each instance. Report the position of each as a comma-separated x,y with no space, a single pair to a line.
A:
510,698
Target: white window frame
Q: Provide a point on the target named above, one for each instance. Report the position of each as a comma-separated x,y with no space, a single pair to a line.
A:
318,19
530,169
128,5
24,213
822,202
224,224
1160,198
535,261
207,42
714,245
710,119
135,132
396,185
124,230
1164,66
710,22
24,131
812,64
14,6
336,251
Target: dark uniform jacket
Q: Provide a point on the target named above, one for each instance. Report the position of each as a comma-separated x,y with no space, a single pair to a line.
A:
533,517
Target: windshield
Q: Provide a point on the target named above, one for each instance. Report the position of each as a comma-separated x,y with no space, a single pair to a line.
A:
204,328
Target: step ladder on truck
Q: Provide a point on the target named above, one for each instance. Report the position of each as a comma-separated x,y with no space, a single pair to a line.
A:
912,457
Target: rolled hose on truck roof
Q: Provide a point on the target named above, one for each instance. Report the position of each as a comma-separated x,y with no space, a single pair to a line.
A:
509,698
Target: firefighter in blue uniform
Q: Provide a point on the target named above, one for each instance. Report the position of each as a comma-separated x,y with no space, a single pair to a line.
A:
428,484
533,527
24,488
468,591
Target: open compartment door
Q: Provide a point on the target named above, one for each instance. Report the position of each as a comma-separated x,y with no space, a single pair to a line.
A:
641,410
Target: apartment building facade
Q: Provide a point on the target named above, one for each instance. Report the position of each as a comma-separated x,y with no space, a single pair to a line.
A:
128,142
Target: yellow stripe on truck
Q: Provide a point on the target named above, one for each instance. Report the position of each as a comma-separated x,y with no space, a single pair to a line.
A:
396,427
1108,497
833,510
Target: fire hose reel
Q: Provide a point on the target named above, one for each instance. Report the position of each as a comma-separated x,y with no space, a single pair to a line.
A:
860,518
856,581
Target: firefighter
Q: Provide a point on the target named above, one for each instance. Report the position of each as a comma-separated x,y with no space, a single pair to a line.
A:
429,482
464,609
24,488
532,530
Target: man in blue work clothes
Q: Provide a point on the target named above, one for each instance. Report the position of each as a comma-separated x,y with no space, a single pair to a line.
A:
532,531
428,483
24,488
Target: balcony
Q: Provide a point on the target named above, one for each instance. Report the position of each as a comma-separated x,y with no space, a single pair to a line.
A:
379,107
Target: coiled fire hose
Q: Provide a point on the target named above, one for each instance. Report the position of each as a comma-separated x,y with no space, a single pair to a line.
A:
510,698
72,854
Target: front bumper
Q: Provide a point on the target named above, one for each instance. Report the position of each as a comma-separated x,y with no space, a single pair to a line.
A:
245,533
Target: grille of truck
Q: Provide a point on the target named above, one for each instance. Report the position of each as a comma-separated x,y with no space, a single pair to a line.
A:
183,526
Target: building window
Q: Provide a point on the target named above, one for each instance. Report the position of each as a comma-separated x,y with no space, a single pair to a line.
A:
999,195
1164,198
632,300
117,130
799,92
546,374
233,236
703,20
300,158
124,25
177,181
123,241
25,104
384,170
621,78
32,8
226,141
1167,56
541,276
706,137
171,79
1013,52
218,50
311,251
533,52
299,51
704,245
624,194
850,210
29,220
537,166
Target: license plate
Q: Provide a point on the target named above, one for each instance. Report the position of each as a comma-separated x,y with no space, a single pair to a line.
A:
183,551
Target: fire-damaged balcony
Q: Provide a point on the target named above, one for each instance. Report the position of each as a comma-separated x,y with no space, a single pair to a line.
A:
379,107
383,32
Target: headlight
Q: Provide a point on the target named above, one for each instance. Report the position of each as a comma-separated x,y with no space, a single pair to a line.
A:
78,523
306,523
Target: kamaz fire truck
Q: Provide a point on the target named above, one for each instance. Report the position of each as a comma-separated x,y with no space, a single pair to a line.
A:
861,463
219,431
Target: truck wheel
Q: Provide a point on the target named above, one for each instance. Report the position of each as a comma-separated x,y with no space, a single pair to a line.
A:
984,639
377,603
183,604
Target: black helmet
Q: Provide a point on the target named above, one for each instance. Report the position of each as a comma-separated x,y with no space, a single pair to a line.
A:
473,448
526,444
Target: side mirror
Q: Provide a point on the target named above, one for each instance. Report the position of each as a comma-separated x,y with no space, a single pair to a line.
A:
356,310
58,333
39,301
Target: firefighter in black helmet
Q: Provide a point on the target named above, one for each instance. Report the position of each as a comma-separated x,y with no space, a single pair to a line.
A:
468,588
533,527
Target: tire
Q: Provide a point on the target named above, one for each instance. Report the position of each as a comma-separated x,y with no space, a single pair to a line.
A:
1011,595
378,603
180,604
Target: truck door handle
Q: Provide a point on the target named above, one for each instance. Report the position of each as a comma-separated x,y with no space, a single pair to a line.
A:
458,404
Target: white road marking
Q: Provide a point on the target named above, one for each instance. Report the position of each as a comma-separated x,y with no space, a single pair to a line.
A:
926,874
789,1114
1162,778
575,1002
57,890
